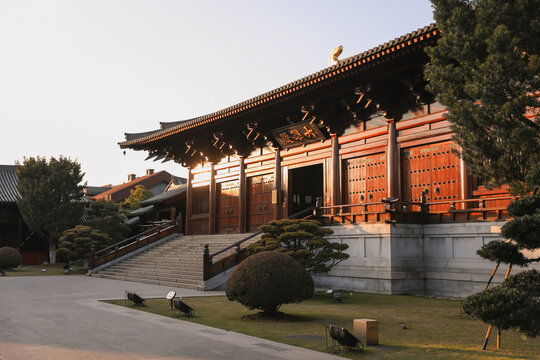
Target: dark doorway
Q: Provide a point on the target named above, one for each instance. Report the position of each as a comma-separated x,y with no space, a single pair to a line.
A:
305,186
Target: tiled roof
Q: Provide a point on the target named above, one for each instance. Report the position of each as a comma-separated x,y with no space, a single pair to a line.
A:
167,195
120,192
141,211
8,184
315,80
95,190
162,126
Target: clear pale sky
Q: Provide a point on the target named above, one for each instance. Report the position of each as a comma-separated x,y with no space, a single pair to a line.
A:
75,75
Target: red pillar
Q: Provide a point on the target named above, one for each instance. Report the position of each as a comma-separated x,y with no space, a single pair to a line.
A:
277,185
189,203
242,199
392,161
335,171
212,201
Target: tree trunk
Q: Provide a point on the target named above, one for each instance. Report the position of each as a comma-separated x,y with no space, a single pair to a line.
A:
52,250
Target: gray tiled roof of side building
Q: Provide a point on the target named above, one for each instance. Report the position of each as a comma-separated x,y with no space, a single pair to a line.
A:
8,184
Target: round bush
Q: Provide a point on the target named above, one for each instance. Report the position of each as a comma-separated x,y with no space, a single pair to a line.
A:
267,280
9,258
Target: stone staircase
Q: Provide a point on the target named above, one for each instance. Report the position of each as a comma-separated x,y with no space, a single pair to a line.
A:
176,263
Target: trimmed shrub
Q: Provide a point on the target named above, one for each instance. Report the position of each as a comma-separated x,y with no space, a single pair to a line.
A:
76,243
304,240
267,280
9,258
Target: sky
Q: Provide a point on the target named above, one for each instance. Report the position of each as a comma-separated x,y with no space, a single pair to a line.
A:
76,75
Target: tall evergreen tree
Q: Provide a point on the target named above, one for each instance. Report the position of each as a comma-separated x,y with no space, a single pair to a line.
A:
486,70
51,194
107,217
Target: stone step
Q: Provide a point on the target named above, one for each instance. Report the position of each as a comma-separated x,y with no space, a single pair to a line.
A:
147,269
177,263
165,264
181,279
150,268
155,282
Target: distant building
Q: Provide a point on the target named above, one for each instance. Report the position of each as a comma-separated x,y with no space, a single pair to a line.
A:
91,191
168,205
155,182
13,230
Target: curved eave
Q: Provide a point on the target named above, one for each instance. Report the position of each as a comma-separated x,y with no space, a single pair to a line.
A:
349,64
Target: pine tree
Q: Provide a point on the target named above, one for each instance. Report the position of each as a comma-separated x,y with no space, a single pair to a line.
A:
304,241
107,217
486,70
76,243
51,196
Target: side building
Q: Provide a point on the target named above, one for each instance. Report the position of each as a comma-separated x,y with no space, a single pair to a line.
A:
155,182
366,138
13,230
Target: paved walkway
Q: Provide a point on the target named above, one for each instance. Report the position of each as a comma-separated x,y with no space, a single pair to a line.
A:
60,317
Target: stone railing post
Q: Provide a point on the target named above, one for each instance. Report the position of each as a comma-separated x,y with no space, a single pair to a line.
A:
92,259
318,204
206,263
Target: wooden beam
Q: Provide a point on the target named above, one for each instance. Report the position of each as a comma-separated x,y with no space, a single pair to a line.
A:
242,199
392,161
189,202
212,201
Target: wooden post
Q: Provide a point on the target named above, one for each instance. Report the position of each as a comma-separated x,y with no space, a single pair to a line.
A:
492,275
286,196
335,175
242,197
212,201
189,202
277,185
392,160
490,326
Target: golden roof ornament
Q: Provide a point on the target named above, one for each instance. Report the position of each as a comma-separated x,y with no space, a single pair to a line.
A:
334,55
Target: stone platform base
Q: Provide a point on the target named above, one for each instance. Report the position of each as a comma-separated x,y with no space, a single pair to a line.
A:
431,259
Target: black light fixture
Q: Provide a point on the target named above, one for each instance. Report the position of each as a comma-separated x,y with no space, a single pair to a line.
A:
342,336
134,298
183,307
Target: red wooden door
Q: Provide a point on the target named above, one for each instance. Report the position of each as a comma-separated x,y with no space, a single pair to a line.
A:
433,168
259,201
227,207
364,181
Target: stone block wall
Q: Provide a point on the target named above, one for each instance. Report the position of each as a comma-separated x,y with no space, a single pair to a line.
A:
431,259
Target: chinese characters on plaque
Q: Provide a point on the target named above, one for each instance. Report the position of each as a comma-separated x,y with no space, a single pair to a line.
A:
297,134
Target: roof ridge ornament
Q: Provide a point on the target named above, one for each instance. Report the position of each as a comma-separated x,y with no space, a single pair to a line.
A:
334,54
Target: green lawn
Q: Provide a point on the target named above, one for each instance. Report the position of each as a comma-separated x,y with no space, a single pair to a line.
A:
436,328
50,269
